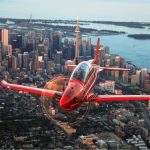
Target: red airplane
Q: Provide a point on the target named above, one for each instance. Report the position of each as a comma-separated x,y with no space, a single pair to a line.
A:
80,86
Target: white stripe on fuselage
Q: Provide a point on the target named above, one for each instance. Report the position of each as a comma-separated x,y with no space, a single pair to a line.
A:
95,78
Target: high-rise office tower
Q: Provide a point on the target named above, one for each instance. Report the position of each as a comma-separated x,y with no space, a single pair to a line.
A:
101,56
9,60
40,63
14,62
20,61
25,60
9,50
45,58
4,36
116,73
112,59
0,53
147,85
125,76
19,41
0,35
66,51
57,41
89,48
138,76
29,41
14,44
50,48
84,49
133,80
107,64
117,61
58,57
71,50
144,72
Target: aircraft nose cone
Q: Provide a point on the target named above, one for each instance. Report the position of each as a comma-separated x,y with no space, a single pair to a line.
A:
65,103
73,90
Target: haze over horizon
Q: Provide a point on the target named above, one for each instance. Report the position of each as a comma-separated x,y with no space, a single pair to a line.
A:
112,10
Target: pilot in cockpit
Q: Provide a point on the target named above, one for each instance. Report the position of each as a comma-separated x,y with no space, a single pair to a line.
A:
81,72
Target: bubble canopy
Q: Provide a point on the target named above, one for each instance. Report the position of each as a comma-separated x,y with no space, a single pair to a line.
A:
81,72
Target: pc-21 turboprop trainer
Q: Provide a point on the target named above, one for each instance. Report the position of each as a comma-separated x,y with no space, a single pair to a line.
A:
80,86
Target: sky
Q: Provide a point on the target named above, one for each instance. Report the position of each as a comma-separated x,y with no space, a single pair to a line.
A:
108,10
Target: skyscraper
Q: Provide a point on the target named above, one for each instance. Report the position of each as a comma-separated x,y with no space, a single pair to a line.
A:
9,50
71,50
125,76
57,40
20,61
19,41
89,48
101,56
138,76
25,60
4,36
84,49
144,72
0,53
0,35
14,62
58,57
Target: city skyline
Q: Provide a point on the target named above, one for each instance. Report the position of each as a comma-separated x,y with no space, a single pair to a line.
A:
58,68
113,10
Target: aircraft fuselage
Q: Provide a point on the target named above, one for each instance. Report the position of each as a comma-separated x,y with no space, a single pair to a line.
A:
80,85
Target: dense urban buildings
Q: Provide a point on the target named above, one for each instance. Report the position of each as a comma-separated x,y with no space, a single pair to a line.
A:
33,55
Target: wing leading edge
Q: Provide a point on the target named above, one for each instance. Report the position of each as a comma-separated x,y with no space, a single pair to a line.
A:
110,98
114,69
39,91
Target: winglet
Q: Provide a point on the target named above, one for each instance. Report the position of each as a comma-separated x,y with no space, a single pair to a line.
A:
70,67
95,61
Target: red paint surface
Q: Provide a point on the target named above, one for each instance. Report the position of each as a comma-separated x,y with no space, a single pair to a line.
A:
109,98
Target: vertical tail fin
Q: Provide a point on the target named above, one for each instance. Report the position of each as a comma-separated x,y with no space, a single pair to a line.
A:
96,58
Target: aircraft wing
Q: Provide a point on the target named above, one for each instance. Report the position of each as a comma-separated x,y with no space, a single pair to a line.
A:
114,69
34,90
110,98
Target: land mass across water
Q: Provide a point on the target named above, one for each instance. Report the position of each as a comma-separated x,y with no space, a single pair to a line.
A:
116,23
141,25
67,26
140,36
62,25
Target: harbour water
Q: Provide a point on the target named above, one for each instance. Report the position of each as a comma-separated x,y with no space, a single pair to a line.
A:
136,51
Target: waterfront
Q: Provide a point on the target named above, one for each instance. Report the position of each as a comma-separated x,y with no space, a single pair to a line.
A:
136,51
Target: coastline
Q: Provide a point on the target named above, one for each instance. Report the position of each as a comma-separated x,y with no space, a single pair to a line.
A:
140,36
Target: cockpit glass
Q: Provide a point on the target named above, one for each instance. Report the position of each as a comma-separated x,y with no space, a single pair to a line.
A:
81,72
